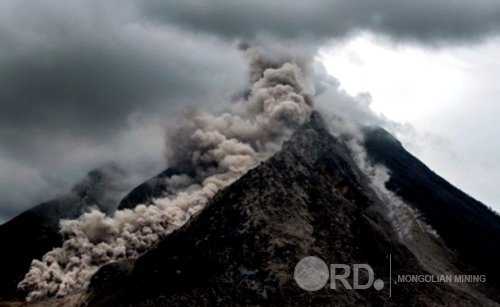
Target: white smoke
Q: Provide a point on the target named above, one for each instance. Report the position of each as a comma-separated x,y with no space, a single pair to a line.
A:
404,219
345,115
220,148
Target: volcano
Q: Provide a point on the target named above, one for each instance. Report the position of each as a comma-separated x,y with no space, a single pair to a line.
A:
258,201
312,199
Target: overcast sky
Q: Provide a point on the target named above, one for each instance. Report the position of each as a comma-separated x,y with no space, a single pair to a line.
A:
447,98
83,83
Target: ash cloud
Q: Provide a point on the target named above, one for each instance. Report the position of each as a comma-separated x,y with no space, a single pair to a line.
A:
74,74
87,83
220,148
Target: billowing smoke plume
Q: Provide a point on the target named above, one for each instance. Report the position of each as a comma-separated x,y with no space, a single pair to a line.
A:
220,149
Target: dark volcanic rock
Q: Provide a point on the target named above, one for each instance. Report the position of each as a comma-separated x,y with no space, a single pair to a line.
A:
464,223
34,232
153,188
308,199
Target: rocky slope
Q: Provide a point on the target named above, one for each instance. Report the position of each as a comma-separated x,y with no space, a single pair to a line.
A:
309,199
467,226
155,187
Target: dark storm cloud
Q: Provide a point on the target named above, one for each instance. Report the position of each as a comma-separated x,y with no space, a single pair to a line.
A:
86,82
423,20
88,73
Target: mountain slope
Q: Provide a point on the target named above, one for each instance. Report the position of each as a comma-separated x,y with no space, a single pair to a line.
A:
34,232
308,199
154,187
464,223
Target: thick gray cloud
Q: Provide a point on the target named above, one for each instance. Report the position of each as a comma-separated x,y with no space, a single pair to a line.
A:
86,82
72,66
83,83
427,21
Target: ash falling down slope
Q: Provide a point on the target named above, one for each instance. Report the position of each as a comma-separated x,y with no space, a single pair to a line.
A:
36,231
310,198
254,190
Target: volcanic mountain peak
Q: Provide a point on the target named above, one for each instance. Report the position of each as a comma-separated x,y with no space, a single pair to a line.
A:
347,200
310,198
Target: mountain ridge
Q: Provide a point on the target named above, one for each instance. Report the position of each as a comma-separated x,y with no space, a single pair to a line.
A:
311,198
465,223
243,246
